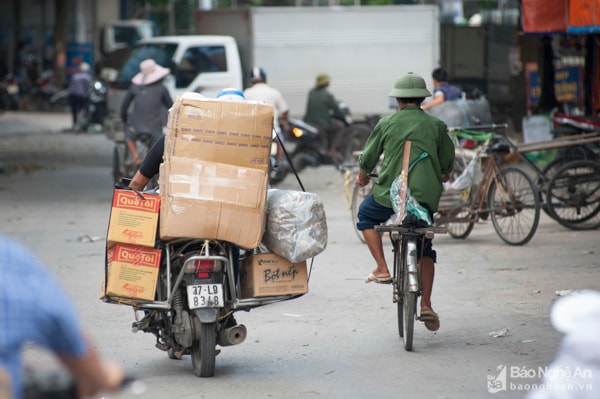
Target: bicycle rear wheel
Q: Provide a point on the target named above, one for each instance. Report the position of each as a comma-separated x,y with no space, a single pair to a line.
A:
514,206
573,195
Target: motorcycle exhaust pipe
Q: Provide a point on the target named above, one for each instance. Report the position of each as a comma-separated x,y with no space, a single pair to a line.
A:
232,335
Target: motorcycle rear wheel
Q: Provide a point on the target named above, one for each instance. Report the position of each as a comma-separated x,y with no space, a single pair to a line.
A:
203,351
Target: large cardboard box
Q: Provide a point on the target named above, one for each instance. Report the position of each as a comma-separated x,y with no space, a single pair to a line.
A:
269,274
132,271
212,200
133,220
233,133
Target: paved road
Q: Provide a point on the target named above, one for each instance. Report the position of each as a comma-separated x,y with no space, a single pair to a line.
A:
340,340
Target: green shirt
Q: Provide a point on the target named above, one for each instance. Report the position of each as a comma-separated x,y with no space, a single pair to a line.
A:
321,105
427,134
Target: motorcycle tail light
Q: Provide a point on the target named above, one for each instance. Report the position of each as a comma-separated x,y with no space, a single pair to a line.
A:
203,267
297,132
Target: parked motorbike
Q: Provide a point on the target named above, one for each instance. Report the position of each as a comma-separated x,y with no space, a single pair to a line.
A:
38,96
10,93
198,291
95,109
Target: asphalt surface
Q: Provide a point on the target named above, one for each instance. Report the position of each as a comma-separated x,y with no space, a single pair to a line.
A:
338,341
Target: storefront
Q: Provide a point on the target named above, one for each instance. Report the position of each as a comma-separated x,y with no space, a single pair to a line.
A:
566,73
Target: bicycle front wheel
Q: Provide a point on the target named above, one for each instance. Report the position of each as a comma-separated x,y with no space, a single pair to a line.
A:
573,196
514,206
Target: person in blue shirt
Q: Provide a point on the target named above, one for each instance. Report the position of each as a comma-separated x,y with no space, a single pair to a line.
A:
34,308
443,91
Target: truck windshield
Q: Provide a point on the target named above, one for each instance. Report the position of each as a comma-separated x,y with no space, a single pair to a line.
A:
162,53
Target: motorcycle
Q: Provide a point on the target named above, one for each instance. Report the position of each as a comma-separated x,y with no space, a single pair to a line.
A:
304,146
95,109
9,93
197,293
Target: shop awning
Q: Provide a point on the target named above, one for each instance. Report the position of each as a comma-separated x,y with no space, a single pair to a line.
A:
561,16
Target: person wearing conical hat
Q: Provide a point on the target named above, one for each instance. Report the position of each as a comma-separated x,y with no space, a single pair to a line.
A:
149,100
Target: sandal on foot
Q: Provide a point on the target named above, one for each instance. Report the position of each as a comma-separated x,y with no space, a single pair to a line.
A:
431,320
381,280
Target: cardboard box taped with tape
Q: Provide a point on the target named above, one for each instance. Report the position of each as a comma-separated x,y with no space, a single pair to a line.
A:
269,274
233,133
215,175
212,200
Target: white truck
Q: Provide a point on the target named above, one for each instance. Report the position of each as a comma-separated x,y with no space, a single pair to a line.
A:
363,49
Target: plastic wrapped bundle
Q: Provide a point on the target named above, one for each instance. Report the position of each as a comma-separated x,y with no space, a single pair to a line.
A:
296,224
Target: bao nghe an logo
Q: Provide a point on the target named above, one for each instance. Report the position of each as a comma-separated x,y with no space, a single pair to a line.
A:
560,380
497,382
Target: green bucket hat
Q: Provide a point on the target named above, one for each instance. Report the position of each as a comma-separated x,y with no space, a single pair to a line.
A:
322,79
410,85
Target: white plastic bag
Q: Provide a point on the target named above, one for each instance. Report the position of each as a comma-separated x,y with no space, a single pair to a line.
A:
296,225
469,177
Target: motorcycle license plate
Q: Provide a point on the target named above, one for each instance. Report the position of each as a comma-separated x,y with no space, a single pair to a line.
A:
205,296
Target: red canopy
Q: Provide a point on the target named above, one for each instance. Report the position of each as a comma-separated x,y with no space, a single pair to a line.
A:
547,16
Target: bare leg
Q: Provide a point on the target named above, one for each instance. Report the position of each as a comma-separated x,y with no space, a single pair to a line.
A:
427,273
134,152
373,240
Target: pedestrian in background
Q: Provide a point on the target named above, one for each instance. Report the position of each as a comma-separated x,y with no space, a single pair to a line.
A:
442,90
260,91
79,89
151,101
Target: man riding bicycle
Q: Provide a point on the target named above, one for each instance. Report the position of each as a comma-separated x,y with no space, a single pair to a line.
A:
427,134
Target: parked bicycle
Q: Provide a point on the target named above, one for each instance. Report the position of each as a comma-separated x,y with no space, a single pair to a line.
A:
573,195
507,196
406,280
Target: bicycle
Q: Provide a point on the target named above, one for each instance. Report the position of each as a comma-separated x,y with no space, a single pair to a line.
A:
406,279
124,166
507,196
573,195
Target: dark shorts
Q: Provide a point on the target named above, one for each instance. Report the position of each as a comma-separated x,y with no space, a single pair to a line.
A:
371,214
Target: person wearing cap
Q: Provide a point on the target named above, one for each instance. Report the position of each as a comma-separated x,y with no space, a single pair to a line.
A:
427,135
262,92
151,102
78,89
324,113
442,90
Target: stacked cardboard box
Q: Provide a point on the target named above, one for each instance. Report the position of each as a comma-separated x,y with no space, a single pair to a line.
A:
132,263
269,274
214,176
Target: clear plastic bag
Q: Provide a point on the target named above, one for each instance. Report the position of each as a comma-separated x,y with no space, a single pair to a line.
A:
412,205
469,177
296,225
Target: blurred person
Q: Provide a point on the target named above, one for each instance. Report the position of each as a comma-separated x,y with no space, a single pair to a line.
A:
260,91
427,134
324,113
79,89
34,308
442,90
151,102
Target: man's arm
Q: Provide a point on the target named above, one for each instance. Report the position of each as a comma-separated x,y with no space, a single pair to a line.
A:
93,375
